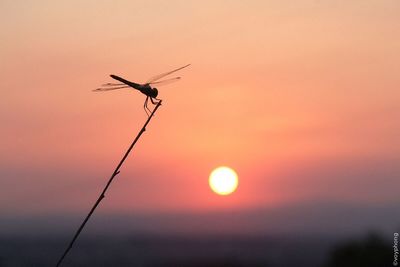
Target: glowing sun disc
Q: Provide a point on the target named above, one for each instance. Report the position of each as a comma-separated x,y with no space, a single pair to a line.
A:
223,180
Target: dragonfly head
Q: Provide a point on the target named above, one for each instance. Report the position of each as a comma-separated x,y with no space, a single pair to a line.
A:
155,92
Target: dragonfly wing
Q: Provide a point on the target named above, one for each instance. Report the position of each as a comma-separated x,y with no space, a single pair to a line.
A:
167,81
103,89
112,84
157,77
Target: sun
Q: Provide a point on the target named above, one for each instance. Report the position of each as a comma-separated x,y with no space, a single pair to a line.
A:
223,180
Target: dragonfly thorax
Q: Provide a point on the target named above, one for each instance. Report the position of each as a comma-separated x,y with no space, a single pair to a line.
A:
148,90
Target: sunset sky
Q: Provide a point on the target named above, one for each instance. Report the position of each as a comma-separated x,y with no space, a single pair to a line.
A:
301,98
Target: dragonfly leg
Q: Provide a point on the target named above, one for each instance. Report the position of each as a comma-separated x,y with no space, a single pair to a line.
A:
155,102
148,110
148,105
152,101
145,106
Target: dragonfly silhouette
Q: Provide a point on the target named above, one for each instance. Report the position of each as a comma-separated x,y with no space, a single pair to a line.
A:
146,88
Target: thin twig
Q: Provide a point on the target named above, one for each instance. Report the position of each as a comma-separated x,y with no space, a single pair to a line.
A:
102,195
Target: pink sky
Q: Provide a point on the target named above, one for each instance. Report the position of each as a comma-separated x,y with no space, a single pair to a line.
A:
300,98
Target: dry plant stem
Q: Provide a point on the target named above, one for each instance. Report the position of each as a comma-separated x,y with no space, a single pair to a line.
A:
102,195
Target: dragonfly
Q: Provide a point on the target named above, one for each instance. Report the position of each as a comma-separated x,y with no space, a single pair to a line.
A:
147,88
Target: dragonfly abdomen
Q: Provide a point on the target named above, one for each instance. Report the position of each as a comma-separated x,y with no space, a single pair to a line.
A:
134,85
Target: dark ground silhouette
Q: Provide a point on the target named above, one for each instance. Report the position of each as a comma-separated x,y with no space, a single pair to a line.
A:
204,251
371,251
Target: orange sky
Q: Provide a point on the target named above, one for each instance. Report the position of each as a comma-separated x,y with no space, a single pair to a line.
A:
301,98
